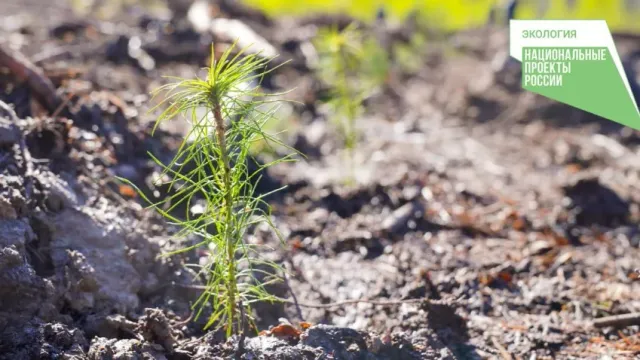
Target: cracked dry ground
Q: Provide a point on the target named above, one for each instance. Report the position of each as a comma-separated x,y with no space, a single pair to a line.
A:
524,210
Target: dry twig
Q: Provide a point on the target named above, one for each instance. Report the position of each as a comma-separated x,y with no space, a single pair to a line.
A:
618,320
25,70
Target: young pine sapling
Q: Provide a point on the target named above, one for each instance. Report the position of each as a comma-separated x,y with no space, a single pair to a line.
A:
227,112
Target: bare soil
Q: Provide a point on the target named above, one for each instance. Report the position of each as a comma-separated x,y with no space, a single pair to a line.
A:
516,215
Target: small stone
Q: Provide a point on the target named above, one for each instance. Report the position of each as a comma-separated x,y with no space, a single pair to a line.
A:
9,257
398,220
539,247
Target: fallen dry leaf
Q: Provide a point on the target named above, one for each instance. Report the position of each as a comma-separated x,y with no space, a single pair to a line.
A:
127,191
282,330
505,276
573,168
518,224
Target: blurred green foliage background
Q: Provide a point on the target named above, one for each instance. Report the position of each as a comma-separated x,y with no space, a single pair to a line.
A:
621,15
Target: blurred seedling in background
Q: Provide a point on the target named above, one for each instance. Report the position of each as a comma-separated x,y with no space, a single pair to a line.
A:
339,57
409,57
228,113
353,65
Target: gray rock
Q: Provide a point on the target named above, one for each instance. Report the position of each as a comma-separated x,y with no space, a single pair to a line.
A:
343,343
35,340
60,340
265,347
398,220
102,260
127,349
83,284
22,291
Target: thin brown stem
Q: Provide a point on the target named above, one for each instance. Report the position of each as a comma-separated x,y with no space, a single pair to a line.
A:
38,82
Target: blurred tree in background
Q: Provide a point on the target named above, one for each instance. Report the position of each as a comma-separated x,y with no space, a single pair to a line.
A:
621,15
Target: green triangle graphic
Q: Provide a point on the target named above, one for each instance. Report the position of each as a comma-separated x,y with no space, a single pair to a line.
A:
594,86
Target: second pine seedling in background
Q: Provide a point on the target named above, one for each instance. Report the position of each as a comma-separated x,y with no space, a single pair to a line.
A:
352,65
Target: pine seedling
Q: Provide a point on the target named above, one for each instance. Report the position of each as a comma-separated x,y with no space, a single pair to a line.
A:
340,54
353,66
227,112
